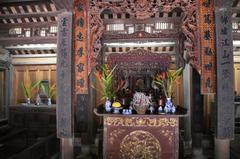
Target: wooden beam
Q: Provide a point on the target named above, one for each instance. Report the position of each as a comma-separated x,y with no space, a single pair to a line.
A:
6,41
22,2
19,1
30,15
235,9
236,36
63,4
28,25
235,19
175,20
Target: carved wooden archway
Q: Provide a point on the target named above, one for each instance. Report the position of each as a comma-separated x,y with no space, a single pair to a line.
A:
142,9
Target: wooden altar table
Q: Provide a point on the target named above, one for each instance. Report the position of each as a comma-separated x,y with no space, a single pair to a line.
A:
149,136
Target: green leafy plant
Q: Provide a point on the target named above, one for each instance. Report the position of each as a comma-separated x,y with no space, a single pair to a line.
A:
166,81
105,77
49,91
28,90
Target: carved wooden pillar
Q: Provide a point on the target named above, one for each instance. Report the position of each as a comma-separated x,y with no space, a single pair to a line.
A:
81,54
64,85
225,84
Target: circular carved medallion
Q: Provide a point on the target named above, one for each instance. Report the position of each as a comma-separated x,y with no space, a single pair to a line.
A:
140,145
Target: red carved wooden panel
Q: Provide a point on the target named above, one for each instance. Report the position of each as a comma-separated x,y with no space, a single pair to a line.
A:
141,137
207,46
80,46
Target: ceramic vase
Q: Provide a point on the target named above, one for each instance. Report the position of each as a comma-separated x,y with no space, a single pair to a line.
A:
49,102
151,109
108,105
169,107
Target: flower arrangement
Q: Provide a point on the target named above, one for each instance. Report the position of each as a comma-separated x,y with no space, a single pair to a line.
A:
167,79
105,78
49,91
28,90
141,102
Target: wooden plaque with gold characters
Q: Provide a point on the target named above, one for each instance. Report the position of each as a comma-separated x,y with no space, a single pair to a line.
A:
207,46
81,46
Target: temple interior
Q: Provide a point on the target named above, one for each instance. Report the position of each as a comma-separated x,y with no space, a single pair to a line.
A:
119,79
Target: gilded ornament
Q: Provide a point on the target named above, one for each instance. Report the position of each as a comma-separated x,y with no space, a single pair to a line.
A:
140,145
140,122
169,134
114,135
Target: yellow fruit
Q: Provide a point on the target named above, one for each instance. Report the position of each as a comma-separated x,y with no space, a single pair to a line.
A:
116,104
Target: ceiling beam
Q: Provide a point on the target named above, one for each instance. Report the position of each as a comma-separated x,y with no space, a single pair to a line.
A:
235,19
7,41
63,4
236,36
28,25
176,20
19,1
22,2
30,15
235,9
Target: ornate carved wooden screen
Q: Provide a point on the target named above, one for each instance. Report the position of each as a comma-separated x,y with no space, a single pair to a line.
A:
198,55
142,9
140,59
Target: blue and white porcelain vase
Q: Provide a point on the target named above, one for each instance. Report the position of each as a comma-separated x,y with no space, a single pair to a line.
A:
108,105
169,107
49,102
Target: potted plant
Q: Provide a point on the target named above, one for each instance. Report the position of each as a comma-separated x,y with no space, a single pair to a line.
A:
28,90
166,81
141,102
49,92
105,78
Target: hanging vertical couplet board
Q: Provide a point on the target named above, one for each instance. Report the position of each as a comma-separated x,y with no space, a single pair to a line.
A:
80,46
64,76
225,81
207,46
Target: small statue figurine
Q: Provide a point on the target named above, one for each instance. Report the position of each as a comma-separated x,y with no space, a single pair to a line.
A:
38,100
160,109
160,103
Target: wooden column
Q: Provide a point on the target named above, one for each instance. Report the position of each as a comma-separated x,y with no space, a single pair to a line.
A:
187,105
91,106
225,84
64,85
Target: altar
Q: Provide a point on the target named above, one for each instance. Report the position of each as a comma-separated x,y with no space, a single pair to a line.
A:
148,136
